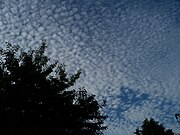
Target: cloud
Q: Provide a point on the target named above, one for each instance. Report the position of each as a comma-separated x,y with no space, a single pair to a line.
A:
118,44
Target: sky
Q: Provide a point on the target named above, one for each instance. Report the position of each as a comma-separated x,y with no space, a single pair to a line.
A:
129,51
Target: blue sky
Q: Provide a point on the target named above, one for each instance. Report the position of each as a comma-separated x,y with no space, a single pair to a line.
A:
129,51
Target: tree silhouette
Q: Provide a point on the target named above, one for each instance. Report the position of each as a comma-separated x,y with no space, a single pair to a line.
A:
151,127
177,116
35,97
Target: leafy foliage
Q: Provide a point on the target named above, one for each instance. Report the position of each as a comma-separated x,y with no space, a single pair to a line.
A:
33,101
151,127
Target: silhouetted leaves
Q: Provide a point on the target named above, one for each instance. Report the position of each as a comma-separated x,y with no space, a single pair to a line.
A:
33,101
152,127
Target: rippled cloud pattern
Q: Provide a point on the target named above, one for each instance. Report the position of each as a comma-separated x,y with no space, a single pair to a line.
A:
129,51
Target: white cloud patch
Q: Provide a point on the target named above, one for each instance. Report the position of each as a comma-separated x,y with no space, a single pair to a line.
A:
119,44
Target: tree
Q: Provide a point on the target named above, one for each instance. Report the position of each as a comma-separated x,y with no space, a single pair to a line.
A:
151,127
177,116
35,97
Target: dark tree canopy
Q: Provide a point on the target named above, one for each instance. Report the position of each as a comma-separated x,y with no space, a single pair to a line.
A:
151,127
35,97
